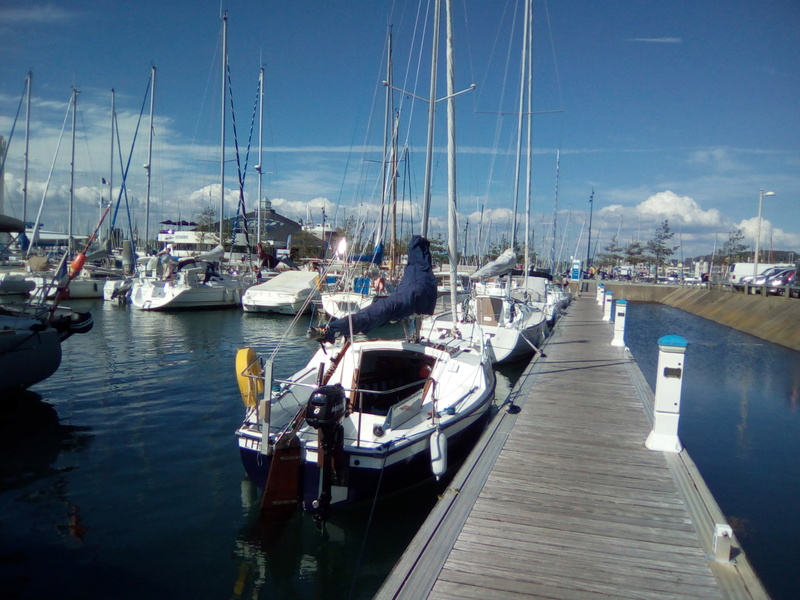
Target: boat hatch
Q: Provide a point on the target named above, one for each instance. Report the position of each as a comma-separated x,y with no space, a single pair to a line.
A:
393,375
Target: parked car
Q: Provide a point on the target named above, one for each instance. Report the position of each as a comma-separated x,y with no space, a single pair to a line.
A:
777,285
765,277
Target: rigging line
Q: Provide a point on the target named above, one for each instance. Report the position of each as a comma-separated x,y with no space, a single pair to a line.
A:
553,49
47,185
240,205
13,127
133,142
124,187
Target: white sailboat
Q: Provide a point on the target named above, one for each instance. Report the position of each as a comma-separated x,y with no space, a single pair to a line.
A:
195,282
514,328
365,417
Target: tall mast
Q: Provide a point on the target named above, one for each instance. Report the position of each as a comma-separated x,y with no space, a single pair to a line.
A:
529,153
452,226
259,168
111,158
426,200
72,171
28,82
222,133
149,158
388,130
519,131
555,213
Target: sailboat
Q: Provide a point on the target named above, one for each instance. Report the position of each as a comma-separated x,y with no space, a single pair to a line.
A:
194,282
365,416
515,328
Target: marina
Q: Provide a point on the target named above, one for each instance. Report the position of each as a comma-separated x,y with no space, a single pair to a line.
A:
123,467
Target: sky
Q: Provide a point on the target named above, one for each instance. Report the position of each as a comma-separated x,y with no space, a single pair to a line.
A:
659,111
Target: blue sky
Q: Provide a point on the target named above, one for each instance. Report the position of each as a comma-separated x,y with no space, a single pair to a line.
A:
668,110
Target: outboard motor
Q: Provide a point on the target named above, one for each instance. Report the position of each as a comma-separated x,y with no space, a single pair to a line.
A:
324,412
326,406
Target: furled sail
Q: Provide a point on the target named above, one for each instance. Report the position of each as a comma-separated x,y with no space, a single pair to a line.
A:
415,294
499,266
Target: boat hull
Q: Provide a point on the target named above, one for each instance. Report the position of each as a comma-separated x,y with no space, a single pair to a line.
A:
370,473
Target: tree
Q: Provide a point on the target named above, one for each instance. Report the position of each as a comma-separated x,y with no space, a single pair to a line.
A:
734,250
634,254
657,247
612,255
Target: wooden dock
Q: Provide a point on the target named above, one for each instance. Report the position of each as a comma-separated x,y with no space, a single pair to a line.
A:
561,499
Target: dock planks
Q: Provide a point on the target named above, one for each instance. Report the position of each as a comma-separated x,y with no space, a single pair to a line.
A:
562,499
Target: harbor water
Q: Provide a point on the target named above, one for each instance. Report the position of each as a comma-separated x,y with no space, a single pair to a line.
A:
120,475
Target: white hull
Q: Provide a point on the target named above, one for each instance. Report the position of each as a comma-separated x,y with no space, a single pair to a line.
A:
152,294
340,304
508,336
289,293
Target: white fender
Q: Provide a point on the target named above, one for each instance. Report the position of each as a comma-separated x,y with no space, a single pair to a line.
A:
438,443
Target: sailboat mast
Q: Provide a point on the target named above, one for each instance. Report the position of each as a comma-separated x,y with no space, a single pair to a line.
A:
259,168
72,171
149,159
452,226
28,82
426,200
388,118
222,127
555,215
519,130
529,153
111,157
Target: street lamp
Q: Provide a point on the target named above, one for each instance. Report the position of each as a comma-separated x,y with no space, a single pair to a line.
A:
761,195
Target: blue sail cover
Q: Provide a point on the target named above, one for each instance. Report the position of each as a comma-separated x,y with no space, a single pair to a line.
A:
416,293
375,257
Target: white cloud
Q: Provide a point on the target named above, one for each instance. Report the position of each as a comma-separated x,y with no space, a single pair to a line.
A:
679,209
42,13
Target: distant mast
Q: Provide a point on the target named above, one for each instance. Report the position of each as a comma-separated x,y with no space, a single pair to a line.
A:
72,171
28,82
149,159
259,167
222,133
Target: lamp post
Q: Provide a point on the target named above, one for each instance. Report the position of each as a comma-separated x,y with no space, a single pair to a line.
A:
761,195
589,244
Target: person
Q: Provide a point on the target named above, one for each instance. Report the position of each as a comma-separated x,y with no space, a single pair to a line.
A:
165,260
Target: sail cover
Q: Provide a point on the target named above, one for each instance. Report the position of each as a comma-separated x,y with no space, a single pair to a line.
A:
499,266
416,293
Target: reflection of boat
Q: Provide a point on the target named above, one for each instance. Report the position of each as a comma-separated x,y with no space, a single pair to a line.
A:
288,293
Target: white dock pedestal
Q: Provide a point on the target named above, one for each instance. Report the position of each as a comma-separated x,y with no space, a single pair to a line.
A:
608,305
620,311
664,436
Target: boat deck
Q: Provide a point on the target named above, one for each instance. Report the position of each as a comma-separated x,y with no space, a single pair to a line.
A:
561,499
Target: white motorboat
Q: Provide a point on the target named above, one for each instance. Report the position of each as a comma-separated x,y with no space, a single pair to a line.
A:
193,283
288,293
